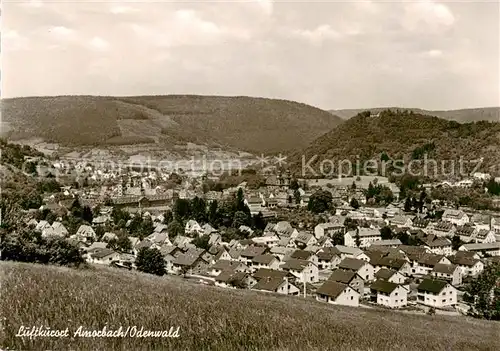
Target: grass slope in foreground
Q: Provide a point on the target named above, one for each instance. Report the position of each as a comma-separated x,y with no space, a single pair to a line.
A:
210,318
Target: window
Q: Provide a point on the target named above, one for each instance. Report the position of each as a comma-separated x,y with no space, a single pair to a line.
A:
352,297
396,294
451,292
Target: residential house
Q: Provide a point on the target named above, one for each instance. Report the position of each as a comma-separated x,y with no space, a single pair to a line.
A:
352,252
363,268
388,294
305,239
469,266
264,261
366,237
85,233
401,221
390,275
303,270
305,255
275,284
103,256
235,280
442,228
424,264
328,229
386,243
457,217
269,240
328,258
225,265
436,293
448,272
467,233
248,254
193,228
59,229
190,263
485,236
109,236
337,293
350,278
438,245
491,249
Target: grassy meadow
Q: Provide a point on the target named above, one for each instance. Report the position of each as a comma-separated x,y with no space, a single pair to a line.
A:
209,318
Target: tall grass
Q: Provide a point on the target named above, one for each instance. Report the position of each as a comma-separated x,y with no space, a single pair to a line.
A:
209,318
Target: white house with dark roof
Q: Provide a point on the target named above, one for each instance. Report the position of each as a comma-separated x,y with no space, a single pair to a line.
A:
436,293
264,261
457,217
337,293
366,237
275,284
469,266
388,294
448,272
303,270
363,268
492,249
390,275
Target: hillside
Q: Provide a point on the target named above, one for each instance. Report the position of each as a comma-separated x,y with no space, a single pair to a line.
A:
210,318
242,123
407,136
491,114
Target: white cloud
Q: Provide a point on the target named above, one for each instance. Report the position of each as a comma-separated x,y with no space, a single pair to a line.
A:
427,15
13,41
122,9
434,53
266,6
317,35
98,43
62,32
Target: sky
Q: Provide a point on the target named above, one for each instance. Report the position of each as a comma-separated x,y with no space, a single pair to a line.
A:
330,54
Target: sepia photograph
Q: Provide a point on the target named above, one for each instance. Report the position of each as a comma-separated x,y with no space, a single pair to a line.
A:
250,175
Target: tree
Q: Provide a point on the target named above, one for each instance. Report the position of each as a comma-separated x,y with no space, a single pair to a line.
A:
456,242
198,209
353,186
386,233
117,214
408,205
99,232
294,184
87,215
240,218
174,229
338,238
168,217
354,203
320,201
259,222
182,209
202,242
296,195
150,261
213,214
357,239
483,293
146,228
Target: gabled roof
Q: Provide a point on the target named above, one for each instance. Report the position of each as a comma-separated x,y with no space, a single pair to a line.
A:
332,289
445,268
269,283
384,286
264,259
226,265
432,285
463,260
266,272
342,276
294,264
384,273
252,251
301,254
430,259
351,263
395,263
101,253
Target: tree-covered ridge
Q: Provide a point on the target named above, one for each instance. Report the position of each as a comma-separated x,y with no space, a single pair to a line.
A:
403,135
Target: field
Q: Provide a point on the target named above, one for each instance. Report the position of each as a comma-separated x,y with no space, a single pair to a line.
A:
209,318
